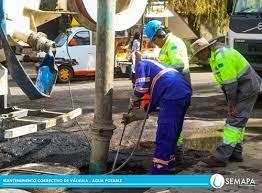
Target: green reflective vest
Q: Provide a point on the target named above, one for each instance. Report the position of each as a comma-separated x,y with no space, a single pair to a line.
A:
174,53
227,65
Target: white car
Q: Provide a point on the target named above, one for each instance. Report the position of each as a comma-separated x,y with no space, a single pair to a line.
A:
78,46
77,43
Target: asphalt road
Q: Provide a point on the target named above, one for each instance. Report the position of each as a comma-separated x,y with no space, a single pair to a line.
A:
67,145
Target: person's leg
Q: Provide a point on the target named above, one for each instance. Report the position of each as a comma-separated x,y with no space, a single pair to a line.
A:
233,134
179,153
237,153
170,121
179,150
130,71
164,140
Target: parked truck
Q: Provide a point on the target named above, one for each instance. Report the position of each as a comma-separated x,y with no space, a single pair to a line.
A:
245,30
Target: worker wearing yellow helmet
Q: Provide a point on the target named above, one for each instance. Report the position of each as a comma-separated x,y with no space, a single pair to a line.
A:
241,85
174,54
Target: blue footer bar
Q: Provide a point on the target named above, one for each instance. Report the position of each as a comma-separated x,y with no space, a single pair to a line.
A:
105,181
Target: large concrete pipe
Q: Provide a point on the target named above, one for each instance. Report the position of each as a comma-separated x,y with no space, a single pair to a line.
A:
128,12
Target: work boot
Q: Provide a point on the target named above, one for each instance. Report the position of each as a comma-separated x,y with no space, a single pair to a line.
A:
237,154
212,161
223,152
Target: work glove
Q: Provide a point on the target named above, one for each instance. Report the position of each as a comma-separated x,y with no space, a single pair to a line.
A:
134,115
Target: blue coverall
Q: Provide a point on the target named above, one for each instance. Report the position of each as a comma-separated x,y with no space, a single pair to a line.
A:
171,92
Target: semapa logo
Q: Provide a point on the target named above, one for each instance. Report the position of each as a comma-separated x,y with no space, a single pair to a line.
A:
241,181
217,181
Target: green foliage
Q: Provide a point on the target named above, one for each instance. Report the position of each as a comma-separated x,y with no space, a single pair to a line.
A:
213,10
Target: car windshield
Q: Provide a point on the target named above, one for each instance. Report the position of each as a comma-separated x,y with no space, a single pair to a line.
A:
248,6
61,39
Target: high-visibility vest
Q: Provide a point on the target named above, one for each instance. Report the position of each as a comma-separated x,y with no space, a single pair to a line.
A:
174,53
227,65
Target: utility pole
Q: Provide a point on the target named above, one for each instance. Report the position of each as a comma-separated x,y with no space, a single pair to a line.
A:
102,128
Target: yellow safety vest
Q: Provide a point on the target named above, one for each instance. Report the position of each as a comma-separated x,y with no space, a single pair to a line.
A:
174,53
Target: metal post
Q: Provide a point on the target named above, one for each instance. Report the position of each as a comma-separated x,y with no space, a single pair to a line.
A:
102,128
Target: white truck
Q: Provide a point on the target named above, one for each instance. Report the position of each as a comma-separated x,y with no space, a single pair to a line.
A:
78,43
245,30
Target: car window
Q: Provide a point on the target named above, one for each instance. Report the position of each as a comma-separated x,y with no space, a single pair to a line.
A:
61,38
248,6
81,38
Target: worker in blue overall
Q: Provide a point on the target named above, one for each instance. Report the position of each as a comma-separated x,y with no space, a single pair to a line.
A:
171,92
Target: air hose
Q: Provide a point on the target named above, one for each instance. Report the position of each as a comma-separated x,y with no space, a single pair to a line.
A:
135,147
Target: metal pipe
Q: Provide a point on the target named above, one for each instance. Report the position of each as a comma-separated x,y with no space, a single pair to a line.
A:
102,128
119,145
37,40
135,147
21,34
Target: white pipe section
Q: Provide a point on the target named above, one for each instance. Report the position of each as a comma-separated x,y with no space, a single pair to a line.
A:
124,19
38,41
21,34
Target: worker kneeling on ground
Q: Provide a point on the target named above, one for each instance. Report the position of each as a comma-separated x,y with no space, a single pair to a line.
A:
171,92
241,85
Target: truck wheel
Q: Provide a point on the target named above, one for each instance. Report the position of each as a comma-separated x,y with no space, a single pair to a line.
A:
65,74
